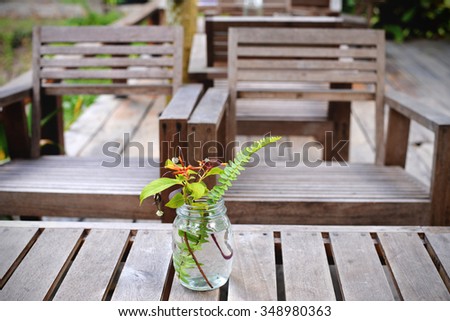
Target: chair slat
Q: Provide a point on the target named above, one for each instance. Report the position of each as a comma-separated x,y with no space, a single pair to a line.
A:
107,34
306,64
313,52
156,73
107,50
107,62
309,36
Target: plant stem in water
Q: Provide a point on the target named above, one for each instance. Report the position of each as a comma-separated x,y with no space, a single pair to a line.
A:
195,260
226,257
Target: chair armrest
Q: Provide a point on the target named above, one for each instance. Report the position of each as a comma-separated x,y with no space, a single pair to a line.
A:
417,111
211,124
173,121
211,108
14,94
182,103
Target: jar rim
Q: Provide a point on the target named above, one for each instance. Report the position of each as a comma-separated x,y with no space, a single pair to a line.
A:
198,211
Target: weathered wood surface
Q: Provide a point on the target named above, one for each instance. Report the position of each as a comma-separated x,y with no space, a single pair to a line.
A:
14,244
404,251
91,272
111,261
47,185
361,275
252,50
160,75
313,281
40,270
144,273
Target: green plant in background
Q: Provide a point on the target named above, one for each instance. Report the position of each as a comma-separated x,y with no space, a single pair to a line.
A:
414,19
410,19
193,189
4,154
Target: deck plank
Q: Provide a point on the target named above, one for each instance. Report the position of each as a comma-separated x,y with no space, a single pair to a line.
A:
360,272
90,273
144,273
40,270
440,243
180,293
311,282
416,276
13,242
125,119
253,276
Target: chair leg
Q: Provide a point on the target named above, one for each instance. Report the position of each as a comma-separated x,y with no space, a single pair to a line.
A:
440,179
16,127
53,125
339,113
337,148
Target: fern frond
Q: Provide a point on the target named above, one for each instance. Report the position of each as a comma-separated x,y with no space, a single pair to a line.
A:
235,167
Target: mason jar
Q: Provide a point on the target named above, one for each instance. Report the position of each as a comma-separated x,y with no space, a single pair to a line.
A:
202,245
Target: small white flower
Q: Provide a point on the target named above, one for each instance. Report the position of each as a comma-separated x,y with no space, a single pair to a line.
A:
159,213
206,160
175,160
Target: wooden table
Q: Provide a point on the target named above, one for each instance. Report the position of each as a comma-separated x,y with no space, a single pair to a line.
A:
121,261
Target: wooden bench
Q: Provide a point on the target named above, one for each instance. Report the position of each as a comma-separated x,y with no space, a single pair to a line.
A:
334,193
90,187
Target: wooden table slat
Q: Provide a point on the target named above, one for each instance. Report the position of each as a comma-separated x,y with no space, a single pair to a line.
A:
144,273
440,244
416,276
312,281
253,276
180,293
360,272
95,264
13,242
40,269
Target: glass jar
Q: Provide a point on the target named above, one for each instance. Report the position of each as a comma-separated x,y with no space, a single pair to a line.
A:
202,245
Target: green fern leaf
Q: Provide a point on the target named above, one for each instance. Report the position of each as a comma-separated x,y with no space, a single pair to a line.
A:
234,168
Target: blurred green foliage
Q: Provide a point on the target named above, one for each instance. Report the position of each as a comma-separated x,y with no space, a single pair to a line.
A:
410,19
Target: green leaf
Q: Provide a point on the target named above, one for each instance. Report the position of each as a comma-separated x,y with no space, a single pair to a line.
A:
214,171
197,190
176,201
234,168
157,186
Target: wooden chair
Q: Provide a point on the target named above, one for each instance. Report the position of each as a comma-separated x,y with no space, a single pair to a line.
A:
332,193
209,53
289,84
137,60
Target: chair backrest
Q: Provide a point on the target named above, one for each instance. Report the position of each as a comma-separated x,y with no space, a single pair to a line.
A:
269,7
308,64
216,29
120,60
